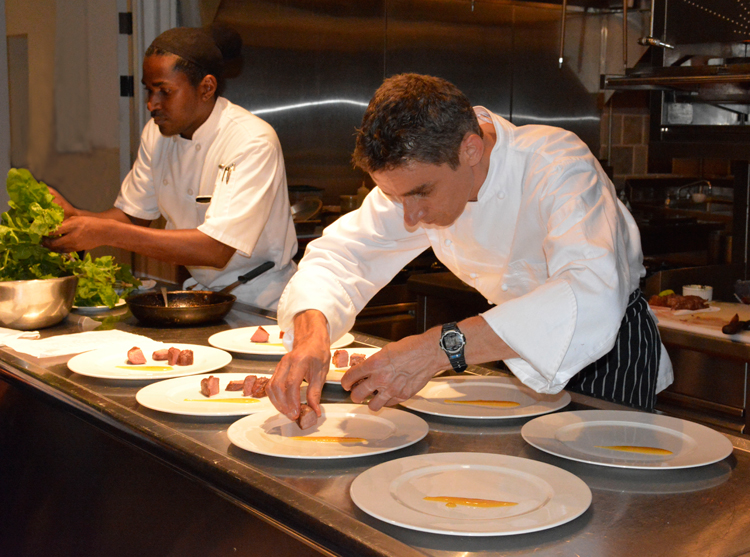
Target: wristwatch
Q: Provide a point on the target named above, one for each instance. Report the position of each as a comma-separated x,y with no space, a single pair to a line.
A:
453,341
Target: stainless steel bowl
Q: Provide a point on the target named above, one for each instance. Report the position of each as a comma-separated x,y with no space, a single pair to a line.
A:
35,304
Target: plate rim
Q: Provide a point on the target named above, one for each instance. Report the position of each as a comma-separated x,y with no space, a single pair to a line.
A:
281,352
534,428
338,406
564,401
146,391
570,481
222,356
94,309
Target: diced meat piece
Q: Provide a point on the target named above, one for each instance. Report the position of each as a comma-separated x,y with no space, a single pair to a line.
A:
340,358
248,384
281,334
234,385
307,417
172,355
259,388
185,358
135,356
260,335
210,386
357,359
658,301
162,354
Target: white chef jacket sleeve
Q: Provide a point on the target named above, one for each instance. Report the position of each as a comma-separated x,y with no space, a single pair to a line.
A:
240,208
356,257
137,196
573,318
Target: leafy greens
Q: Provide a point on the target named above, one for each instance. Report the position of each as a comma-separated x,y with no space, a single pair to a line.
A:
33,214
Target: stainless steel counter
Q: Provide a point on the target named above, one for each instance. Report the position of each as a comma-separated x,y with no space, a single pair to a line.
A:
700,511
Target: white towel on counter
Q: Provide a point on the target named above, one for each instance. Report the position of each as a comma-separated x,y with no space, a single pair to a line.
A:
7,335
75,343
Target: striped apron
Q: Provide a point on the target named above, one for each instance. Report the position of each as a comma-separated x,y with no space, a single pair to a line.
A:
627,374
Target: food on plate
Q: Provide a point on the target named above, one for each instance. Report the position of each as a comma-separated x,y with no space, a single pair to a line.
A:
490,403
452,502
675,302
147,368
234,400
330,439
340,358
307,417
172,355
248,384
259,387
281,334
159,355
260,335
735,326
635,449
234,385
185,358
210,386
135,356
355,359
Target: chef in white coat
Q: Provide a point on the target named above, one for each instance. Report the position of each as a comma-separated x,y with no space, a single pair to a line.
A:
525,215
211,168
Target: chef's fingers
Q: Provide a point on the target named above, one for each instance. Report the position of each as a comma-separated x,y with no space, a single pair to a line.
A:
314,390
283,389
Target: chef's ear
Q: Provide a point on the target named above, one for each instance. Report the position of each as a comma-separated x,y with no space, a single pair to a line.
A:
472,149
207,87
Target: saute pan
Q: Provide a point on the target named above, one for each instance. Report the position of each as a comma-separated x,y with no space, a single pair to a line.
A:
189,307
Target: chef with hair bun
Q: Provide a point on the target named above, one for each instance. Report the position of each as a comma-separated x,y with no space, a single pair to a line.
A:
212,169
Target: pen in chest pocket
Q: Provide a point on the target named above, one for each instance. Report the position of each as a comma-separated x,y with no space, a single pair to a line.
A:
226,172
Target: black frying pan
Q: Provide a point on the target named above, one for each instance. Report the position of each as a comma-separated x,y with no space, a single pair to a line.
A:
188,307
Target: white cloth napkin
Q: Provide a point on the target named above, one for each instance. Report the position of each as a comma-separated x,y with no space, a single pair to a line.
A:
75,343
12,334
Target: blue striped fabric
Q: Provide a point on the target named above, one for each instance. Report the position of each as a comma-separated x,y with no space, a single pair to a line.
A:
627,374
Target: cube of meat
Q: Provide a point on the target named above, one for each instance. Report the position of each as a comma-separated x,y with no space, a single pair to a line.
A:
209,386
172,355
162,354
135,356
307,417
185,358
355,359
340,358
248,384
260,335
234,385
259,388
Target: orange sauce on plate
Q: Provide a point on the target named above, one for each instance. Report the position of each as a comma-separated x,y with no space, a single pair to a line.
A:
240,400
635,449
147,368
489,403
330,439
452,502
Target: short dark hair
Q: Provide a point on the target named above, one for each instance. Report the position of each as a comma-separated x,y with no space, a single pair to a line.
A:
414,118
193,72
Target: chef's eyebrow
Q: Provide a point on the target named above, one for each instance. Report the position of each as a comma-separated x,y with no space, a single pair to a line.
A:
419,190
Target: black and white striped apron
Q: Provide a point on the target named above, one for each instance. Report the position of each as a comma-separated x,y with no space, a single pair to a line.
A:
627,374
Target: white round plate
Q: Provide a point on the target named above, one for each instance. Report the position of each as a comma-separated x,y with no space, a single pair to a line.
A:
474,483
273,434
238,340
608,438
182,395
112,362
98,309
477,398
336,373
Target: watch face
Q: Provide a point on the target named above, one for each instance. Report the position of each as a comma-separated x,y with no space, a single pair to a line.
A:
452,341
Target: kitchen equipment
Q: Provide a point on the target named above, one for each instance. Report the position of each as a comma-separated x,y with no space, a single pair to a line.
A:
185,308
705,292
306,209
35,304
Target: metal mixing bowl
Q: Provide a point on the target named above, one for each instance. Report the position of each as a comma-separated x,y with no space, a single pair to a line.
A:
35,304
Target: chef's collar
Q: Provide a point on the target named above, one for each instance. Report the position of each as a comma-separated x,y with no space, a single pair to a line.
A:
496,159
207,131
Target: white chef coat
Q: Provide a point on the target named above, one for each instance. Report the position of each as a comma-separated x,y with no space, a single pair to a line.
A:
547,242
248,209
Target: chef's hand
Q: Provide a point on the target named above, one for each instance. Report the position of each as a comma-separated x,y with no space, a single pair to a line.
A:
397,372
78,233
309,360
68,209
